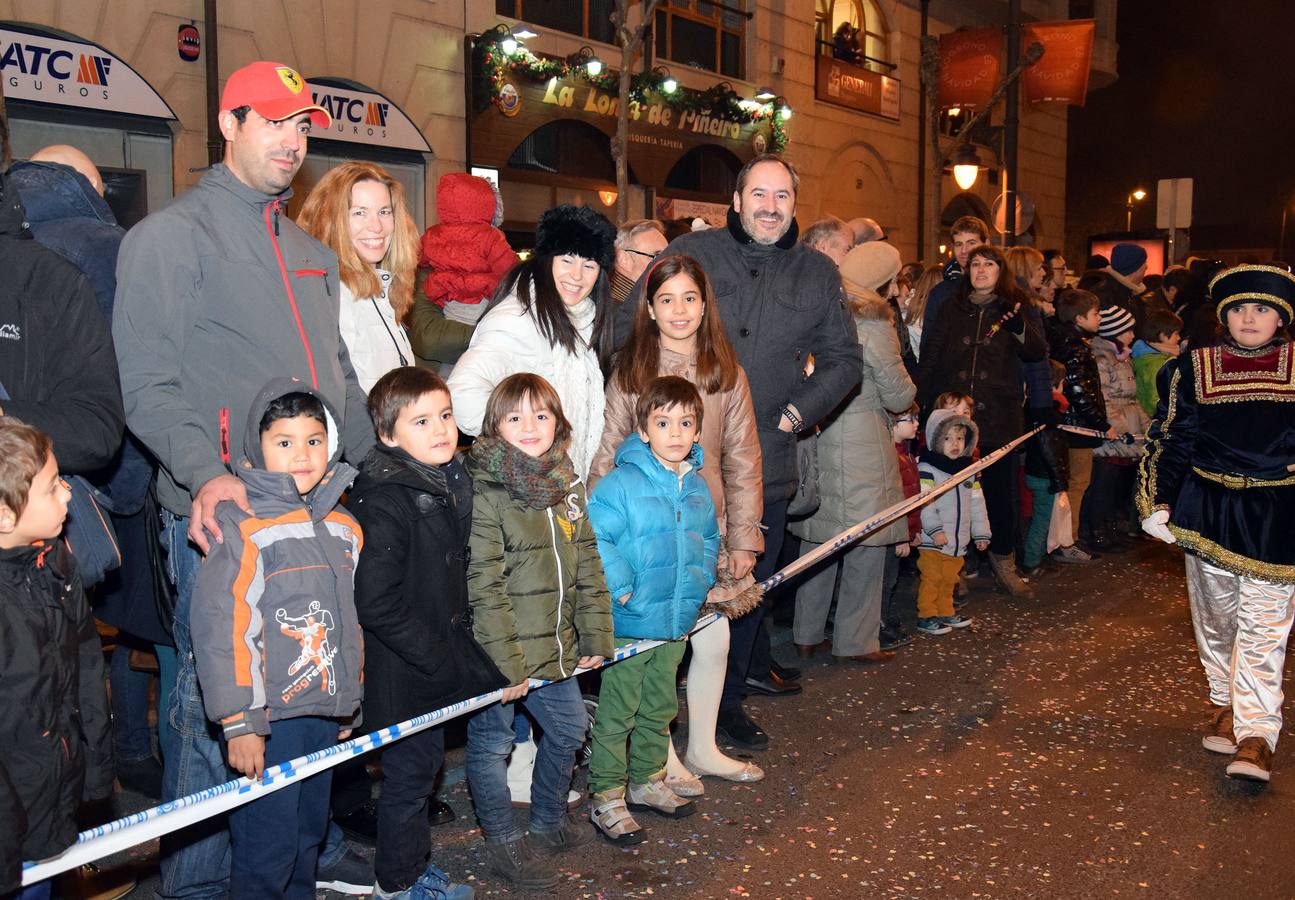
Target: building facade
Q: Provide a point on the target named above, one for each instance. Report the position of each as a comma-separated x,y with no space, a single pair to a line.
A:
412,89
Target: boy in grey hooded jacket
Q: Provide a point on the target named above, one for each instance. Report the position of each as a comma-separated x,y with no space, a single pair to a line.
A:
275,633
950,522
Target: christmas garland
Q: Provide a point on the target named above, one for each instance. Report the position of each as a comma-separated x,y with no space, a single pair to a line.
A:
717,101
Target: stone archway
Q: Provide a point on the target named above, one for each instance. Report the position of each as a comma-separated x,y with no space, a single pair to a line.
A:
857,182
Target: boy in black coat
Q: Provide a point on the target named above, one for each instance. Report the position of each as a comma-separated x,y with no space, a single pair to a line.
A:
414,501
57,749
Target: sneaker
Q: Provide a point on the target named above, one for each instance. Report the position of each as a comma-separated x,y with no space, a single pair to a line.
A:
933,625
351,874
518,865
567,836
613,819
960,600
433,884
1253,760
1218,733
956,621
1070,555
737,729
656,797
1004,569
893,637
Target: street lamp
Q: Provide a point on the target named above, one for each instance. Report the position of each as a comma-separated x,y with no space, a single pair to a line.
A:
1138,194
966,166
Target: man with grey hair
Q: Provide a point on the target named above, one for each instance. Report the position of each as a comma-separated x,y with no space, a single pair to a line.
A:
637,243
831,237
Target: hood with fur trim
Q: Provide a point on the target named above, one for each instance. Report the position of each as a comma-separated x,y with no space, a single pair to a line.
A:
938,425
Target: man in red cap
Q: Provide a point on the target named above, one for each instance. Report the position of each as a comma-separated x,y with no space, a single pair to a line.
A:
217,293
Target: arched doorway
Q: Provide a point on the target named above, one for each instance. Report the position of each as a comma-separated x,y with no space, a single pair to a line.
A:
567,147
708,171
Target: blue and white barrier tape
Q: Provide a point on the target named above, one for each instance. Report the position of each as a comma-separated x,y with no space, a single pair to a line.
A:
124,833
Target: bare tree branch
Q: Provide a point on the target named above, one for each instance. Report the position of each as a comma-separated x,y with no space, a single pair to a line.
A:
631,41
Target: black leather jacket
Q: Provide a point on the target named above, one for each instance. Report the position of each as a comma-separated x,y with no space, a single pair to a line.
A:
1082,386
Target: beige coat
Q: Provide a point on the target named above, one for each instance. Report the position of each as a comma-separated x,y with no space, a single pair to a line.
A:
858,468
729,445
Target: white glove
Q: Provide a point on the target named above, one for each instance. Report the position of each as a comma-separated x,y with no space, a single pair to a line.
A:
1155,525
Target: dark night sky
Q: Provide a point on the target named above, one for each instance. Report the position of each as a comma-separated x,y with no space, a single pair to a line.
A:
1206,90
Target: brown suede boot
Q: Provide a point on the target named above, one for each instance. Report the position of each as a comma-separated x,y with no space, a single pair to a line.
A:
1218,731
1253,760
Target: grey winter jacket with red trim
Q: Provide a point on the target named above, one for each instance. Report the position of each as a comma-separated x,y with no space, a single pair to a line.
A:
217,293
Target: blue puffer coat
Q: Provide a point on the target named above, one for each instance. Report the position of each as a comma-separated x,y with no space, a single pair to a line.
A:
658,539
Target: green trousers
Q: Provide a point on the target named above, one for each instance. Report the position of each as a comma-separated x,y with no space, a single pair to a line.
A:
637,703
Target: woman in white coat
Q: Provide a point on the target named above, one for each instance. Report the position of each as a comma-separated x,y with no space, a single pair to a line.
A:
358,211
550,316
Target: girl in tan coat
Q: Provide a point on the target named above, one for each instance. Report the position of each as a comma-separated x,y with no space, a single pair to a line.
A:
677,331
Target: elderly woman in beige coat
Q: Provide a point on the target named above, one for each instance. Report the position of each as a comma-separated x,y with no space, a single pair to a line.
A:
858,474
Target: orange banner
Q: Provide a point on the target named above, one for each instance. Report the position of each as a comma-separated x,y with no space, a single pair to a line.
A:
970,61
1062,74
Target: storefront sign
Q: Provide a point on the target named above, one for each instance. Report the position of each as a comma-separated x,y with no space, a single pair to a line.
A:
365,117
969,65
1062,74
857,88
714,215
659,133
189,42
36,66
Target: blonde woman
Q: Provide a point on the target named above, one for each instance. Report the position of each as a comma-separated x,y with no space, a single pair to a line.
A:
926,282
358,211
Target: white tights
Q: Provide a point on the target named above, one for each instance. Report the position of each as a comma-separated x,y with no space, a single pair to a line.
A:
705,686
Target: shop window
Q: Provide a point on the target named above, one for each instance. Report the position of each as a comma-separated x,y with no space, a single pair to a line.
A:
590,19
705,34
706,170
855,31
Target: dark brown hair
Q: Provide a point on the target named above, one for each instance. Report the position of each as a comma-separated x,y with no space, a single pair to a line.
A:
667,392
1006,287
970,224
508,396
1158,323
1073,303
396,390
950,399
640,360
23,453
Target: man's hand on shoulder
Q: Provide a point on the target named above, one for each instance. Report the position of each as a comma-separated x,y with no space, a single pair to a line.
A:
202,518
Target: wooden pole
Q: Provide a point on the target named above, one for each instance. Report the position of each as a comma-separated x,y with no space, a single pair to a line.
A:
631,39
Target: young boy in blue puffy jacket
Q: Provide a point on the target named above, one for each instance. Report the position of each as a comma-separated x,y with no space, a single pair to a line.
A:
659,541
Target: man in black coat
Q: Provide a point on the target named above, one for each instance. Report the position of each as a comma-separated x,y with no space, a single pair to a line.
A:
58,369
780,302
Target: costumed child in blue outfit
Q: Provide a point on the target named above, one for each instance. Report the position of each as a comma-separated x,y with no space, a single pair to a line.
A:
659,542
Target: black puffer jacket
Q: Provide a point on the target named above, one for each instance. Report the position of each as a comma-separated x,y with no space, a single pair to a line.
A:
1082,387
966,353
57,362
57,746
411,591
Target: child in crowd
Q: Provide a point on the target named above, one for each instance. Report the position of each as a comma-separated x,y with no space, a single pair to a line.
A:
414,500
950,523
659,542
57,748
1159,336
958,403
678,331
275,638
1111,493
465,250
540,609
962,405
903,429
1078,319
1046,469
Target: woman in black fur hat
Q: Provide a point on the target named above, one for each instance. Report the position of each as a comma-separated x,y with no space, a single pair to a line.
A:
549,316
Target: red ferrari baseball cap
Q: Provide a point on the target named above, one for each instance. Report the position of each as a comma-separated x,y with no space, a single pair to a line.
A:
275,91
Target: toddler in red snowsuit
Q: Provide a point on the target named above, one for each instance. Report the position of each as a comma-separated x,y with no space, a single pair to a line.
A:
466,253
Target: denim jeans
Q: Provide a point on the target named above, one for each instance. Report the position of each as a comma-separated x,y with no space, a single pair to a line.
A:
560,713
132,736
409,769
196,860
276,838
